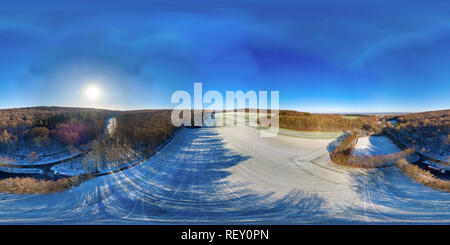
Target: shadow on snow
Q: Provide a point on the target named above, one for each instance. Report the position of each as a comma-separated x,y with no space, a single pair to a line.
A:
189,181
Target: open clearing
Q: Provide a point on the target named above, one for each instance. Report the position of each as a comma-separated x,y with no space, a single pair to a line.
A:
309,134
230,175
374,145
351,117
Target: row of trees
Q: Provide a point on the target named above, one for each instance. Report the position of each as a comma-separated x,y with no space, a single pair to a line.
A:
341,154
144,130
32,185
325,122
379,160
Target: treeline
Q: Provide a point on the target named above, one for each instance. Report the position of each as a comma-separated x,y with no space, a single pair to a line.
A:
29,185
143,129
342,153
326,122
37,128
27,117
427,132
379,160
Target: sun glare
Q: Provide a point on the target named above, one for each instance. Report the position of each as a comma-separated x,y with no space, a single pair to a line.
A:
92,92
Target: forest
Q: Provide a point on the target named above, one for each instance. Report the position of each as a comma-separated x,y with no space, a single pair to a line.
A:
134,135
143,130
426,132
48,130
93,141
326,122
44,130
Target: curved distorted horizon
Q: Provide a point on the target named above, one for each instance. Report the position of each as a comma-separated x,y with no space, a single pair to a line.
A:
322,57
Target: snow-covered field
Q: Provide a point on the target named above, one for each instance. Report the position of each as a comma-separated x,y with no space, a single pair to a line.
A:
309,134
374,145
241,118
237,118
230,175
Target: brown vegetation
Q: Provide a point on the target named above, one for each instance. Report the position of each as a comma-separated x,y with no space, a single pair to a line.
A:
378,161
423,177
427,132
342,155
342,152
29,185
136,133
326,122
34,129
144,129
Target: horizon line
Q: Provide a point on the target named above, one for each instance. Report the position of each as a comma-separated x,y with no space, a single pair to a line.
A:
150,108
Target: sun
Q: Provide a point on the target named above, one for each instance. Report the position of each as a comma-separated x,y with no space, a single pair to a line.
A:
93,92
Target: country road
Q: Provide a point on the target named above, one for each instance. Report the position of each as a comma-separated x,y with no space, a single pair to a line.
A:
230,175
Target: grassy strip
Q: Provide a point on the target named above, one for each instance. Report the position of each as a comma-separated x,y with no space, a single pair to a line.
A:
423,177
30,185
351,117
379,161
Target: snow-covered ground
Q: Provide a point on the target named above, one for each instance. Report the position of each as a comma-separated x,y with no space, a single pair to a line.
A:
50,151
374,145
442,156
21,170
309,134
241,118
75,167
69,168
111,125
237,118
60,156
41,161
230,175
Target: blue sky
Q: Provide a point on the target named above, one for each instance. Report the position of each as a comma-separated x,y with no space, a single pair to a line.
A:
323,56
